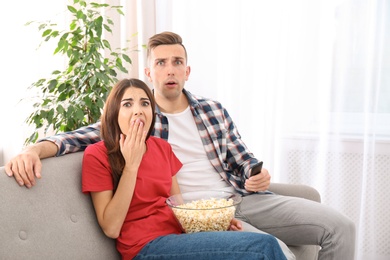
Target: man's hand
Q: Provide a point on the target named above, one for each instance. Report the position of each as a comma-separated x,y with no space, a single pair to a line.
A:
259,182
26,166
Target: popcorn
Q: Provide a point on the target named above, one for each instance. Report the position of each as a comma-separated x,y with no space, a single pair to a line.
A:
205,215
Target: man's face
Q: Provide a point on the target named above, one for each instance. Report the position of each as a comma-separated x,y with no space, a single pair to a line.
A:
168,71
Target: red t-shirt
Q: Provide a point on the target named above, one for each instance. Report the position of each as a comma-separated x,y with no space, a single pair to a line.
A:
149,216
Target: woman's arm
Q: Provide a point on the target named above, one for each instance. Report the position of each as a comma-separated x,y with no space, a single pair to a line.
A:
175,189
111,209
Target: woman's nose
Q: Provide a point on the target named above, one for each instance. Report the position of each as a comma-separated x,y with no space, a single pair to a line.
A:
138,110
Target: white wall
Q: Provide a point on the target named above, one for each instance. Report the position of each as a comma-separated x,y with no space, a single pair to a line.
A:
22,64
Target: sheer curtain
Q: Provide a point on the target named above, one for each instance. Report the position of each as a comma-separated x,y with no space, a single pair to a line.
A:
307,83
26,59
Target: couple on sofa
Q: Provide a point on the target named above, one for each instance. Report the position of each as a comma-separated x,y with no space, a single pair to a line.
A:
206,141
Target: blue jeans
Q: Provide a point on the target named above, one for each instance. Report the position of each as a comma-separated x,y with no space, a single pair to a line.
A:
214,246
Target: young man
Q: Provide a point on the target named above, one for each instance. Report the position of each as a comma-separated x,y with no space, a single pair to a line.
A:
207,142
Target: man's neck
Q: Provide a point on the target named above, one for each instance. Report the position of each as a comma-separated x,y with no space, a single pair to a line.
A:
173,106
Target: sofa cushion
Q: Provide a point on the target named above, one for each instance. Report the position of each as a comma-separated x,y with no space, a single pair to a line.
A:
53,219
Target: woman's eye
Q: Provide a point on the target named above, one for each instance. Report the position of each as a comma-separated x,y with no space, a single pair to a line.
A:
127,104
145,104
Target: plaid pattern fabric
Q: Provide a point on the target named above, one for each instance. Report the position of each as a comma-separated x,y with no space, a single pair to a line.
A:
74,141
221,139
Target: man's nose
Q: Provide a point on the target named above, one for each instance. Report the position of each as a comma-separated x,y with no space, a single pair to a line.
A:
170,69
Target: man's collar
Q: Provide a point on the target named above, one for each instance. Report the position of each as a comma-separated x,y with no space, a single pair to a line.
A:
191,100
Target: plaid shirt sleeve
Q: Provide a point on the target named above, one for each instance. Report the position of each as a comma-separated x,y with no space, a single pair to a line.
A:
77,140
225,149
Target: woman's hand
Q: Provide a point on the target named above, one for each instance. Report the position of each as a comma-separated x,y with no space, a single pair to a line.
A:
235,225
133,144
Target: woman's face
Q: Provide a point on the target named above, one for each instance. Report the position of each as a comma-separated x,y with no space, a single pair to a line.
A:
134,105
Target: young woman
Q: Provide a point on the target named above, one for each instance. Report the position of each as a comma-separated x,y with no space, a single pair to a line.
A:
130,174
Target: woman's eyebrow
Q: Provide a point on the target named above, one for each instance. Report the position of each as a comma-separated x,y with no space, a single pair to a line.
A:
131,99
127,99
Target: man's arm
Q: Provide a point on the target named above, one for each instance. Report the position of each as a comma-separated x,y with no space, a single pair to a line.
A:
27,165
77,140
242,160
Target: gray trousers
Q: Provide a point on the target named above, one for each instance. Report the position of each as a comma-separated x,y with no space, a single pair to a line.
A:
287,252
297,221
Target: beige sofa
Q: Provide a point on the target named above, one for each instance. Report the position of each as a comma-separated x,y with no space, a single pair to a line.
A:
54,220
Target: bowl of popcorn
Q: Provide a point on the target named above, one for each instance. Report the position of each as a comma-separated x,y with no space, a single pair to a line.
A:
201,211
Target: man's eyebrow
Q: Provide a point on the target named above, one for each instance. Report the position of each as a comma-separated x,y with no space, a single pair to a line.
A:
160,59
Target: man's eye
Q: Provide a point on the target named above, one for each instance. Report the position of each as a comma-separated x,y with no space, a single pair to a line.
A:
178,62
160,63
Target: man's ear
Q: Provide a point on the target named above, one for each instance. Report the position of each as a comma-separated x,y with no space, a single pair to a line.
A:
188,72
147,74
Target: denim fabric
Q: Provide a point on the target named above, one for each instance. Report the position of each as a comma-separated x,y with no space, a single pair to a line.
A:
229,245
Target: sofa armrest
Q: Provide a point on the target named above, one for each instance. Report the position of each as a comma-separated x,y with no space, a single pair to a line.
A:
296,190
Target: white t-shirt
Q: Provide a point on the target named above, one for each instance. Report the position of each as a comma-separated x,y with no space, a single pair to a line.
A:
197,172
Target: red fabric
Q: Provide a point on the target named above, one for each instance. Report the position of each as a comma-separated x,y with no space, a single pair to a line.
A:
148,217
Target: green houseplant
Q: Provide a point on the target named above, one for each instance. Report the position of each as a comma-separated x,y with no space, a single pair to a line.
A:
75,96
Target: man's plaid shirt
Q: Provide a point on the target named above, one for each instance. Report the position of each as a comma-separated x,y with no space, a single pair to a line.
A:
221,140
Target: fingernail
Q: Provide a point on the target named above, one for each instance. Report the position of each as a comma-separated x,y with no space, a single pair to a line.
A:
21,183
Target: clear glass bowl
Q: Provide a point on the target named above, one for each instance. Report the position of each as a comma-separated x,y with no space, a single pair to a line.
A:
202,211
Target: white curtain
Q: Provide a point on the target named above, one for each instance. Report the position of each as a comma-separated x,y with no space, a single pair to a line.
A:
308,85
26,58
307,82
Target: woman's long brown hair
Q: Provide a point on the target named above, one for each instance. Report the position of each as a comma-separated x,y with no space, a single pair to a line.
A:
110,130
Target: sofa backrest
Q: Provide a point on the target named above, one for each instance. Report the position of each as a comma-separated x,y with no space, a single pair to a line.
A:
53,219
